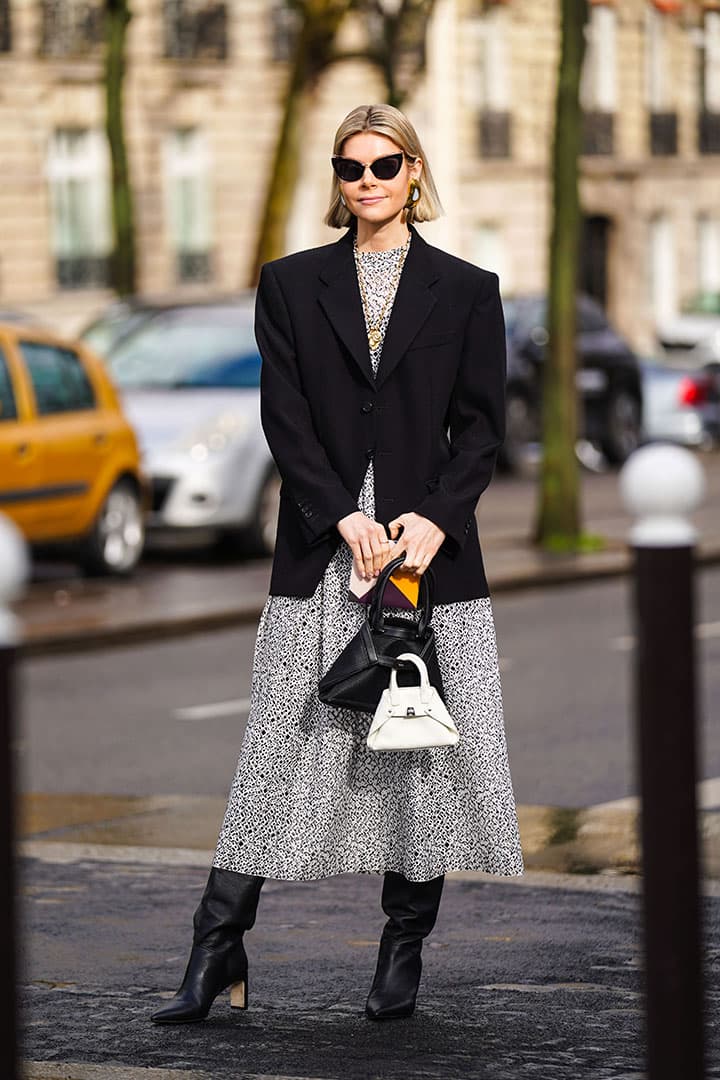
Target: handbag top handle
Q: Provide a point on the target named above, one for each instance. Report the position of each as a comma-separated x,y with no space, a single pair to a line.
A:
427,580
421,666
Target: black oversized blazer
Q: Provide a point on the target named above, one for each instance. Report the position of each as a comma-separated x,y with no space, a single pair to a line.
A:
432,421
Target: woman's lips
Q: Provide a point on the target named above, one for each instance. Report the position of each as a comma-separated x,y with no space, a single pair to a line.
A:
373,199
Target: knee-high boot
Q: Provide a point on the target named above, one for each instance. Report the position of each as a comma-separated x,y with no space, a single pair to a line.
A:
218,959
412,908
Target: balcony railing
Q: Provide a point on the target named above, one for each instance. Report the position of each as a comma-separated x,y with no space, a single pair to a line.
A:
663,134
495,134
597,132
82,271
709,132
5,35
196,30
71,27
193,266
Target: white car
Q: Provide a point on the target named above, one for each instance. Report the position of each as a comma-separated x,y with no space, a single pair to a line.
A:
680,406
693,336
189,377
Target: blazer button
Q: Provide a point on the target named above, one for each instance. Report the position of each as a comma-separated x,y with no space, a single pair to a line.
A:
366,407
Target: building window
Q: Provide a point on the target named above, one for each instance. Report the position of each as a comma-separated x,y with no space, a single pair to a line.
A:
71,27
189,210
284,28
598,87
78,175
709,119
196,29
489,251
5,36
488,85
662,116
708,247
662,272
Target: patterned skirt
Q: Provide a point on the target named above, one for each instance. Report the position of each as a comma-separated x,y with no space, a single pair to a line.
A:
310,799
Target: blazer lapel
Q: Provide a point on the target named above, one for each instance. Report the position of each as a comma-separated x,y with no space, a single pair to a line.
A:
413,302
342,303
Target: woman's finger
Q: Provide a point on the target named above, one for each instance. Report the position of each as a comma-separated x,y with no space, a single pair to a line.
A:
378,550
367,556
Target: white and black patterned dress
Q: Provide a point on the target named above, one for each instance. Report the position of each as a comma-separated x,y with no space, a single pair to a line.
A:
309,798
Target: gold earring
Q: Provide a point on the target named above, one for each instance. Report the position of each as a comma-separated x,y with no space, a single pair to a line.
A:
413,195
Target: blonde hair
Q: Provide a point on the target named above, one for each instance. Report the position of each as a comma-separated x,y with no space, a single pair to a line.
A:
385,120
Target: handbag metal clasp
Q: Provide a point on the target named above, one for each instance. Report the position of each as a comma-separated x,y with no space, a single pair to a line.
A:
410,711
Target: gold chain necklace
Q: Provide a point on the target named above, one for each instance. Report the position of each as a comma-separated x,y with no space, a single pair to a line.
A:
374,333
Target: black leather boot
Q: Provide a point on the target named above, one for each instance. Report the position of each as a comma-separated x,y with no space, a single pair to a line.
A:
218,959
412,908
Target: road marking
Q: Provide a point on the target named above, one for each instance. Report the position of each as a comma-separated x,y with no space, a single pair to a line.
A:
702,630
211,711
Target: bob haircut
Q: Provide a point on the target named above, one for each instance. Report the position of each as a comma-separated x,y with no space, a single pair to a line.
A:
385,120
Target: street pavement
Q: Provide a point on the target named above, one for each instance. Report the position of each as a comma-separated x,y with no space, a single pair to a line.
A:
539,976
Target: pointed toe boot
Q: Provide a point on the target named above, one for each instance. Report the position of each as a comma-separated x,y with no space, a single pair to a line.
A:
412,908
218,960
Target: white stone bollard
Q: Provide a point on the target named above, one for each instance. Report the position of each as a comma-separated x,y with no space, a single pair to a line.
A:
660,484
14,572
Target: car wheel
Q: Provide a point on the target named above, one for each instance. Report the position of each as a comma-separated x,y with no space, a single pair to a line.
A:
519,452
623,427
115,543
257,540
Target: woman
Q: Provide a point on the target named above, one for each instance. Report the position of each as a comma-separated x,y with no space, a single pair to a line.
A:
372,348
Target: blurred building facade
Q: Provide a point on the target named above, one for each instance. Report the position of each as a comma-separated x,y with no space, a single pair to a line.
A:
203,97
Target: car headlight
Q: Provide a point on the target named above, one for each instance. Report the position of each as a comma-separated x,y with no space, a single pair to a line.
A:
214,436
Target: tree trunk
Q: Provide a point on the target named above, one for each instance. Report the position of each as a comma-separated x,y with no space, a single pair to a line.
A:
312,55
285,165
558,523
122,260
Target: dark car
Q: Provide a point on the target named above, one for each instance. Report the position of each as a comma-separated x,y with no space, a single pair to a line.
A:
609,381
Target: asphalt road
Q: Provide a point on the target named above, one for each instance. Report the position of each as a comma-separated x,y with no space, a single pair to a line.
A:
167,717
519,980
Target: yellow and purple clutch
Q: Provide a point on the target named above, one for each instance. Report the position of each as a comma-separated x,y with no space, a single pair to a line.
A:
402,589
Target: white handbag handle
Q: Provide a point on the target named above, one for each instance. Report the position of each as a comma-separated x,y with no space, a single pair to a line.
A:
420,664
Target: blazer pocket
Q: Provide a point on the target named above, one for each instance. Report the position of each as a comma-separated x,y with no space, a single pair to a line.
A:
428,341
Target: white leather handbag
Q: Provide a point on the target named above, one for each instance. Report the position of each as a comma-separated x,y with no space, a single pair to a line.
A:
411,717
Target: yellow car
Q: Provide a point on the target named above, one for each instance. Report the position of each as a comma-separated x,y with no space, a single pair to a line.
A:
70,469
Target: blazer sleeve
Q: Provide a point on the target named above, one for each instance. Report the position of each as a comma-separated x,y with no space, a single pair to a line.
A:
477,419
318,492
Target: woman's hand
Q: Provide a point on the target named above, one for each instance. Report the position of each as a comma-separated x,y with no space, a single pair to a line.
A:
368,542
421,539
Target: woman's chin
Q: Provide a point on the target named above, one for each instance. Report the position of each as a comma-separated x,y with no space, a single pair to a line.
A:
377,214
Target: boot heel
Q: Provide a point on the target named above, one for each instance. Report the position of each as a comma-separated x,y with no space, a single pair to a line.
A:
239,995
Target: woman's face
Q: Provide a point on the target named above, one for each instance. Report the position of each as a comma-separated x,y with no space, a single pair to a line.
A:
369,199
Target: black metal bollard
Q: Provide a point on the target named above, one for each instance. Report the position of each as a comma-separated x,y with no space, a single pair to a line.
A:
13,571
661,484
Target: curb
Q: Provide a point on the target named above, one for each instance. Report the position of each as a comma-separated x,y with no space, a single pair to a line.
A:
594,840
75,639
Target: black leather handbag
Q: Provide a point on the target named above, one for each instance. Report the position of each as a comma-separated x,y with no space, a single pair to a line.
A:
362,670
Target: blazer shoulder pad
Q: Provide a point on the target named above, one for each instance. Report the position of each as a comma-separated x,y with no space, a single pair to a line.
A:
300,261
476,278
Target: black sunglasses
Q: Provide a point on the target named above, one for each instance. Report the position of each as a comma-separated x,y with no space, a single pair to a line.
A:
384,168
